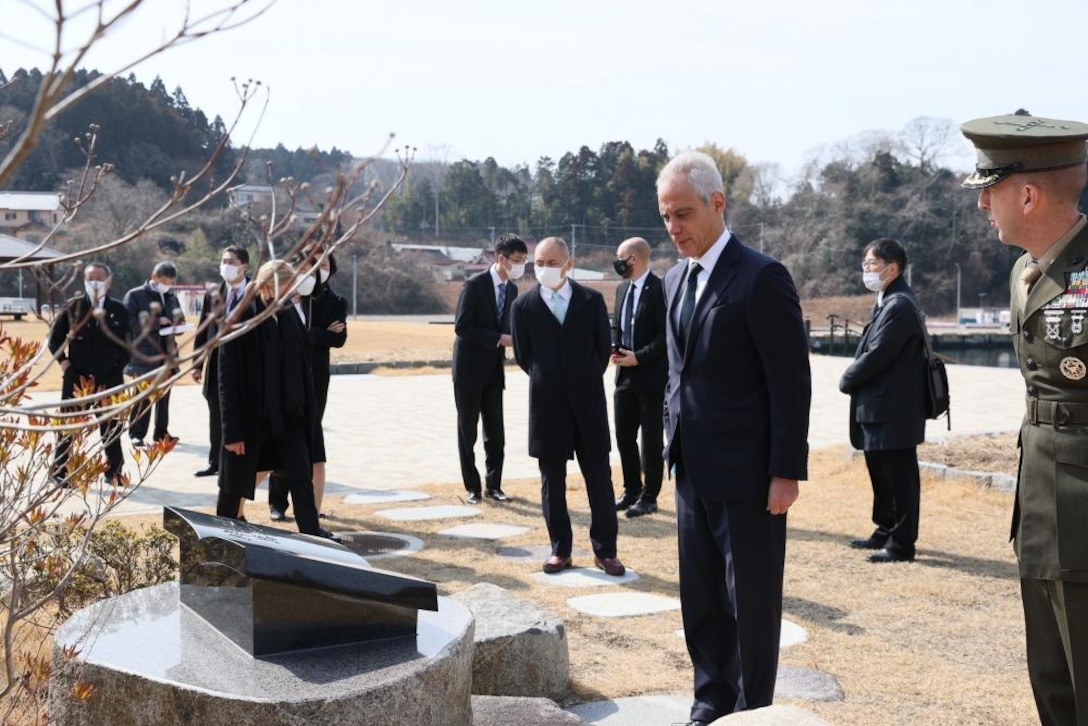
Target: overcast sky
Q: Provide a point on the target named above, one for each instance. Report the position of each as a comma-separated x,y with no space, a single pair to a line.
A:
773,79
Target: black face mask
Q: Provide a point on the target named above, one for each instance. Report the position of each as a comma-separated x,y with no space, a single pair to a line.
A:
623,267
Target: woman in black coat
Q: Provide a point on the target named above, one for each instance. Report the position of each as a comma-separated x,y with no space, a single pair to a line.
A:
327,314
267,403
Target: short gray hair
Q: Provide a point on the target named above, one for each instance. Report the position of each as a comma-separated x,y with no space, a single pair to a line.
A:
699,169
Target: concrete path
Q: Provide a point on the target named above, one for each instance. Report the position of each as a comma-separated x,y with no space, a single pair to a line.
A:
398,432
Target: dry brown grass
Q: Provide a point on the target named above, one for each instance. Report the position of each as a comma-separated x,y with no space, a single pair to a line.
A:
939,641
995,453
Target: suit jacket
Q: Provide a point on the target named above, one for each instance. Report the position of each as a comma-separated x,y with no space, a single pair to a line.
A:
212,309
738,394
566,365
649,375
886,382
1051,509
151,347
242,401
477,356
90,350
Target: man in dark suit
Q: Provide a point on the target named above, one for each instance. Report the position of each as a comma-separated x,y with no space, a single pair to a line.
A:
218,302
482,327
1030,174
638,352
887,403
89,339
561,340
736,423
151,307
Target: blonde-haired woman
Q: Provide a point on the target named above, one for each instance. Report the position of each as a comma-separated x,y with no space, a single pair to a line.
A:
267,402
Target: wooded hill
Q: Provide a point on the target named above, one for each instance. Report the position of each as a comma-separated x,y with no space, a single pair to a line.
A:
817,223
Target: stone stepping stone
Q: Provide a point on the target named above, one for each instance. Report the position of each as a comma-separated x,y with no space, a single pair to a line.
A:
675,709
420,514
384,496
792,634
537,552
584,577
486,531
806,684
623,604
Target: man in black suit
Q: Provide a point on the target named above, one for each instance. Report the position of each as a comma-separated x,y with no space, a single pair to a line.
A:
482,327
89,339
151,307
737,406
887,403
218,302
638,352
561,340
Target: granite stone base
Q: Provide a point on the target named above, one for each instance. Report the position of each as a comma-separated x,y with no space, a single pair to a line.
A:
520,650
153,662
507,710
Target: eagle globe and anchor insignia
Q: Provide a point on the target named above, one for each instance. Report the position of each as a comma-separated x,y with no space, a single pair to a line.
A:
1073,368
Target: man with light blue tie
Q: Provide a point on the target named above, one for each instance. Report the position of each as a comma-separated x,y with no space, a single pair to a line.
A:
562,340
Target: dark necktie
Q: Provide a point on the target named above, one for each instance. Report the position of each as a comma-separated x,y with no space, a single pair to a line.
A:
687,307
502,302
628,341
233,301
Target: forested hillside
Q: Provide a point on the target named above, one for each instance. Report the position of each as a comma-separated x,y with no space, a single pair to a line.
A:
879,184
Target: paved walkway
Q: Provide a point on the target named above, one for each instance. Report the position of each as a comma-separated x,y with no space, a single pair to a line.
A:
397,432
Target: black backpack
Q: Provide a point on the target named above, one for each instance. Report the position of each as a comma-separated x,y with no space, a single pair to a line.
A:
938,400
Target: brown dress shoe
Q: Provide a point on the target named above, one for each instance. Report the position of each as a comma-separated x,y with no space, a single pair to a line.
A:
555,564
610,565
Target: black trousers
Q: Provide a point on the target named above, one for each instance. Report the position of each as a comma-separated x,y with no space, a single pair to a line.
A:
634,411
896,492
1057,649
553,500
215,427
110,431
141,418
472,405
732,558
296,473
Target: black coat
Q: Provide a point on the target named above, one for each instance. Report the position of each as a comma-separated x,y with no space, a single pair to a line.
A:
887,378
265,381
650,373
323,308
151,348
477,356
566,365
738,398
92,349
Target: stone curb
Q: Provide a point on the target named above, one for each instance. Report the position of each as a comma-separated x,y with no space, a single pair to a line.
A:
1005,483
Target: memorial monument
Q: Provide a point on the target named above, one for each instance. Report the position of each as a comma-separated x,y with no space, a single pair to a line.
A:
267,627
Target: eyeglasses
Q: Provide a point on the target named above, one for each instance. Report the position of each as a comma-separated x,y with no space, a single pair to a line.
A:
872,266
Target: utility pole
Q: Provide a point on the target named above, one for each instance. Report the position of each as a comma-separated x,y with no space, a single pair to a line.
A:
959,277
761,237
492,228
573,241
435,210
355,285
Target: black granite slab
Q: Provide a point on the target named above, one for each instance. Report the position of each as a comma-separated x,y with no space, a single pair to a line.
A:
271,591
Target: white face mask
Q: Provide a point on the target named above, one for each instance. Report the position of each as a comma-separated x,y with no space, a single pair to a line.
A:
306,285
324,275
550,277
516,271
160,288
229,273
95,288
872,281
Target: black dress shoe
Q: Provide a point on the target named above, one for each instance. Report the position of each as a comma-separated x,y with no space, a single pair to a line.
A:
889,554
626,501
497,495
641,507
276,515
210,471
474,498
876,541
322,532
